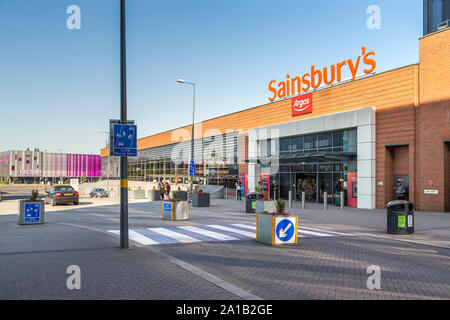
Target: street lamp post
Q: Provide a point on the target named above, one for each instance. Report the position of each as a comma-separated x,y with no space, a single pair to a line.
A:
123,120
193,118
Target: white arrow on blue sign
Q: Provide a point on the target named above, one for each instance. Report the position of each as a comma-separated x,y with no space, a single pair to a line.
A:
285,230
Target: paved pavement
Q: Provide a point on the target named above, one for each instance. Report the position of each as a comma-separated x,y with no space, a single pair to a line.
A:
34,259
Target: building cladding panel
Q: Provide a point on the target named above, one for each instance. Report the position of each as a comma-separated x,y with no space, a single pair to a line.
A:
411,127
18,163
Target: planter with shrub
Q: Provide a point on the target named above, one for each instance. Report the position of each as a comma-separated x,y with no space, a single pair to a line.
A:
175,209
31,211
279,228
200,199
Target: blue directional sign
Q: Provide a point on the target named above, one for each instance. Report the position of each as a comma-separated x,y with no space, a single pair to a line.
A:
192,168
285,230
124,142
167,207
32,213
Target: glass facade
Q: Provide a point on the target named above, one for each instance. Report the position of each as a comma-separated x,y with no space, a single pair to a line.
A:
434,12
215,161
315,164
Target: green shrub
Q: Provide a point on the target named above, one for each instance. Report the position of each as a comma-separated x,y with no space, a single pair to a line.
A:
281,205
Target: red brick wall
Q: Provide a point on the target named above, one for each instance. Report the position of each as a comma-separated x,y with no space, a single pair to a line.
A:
394,126
401,160
433,119
447,177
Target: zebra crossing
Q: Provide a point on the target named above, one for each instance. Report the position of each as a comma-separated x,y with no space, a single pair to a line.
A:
210,233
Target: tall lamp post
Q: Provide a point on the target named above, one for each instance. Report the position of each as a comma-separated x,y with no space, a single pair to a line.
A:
123,120
193,114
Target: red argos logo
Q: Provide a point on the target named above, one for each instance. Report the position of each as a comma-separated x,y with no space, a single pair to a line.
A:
302,104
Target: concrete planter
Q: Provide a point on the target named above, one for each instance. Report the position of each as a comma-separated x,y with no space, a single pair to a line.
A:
269,206
31,212
182,195
136,194
200,200
153,195
175,210
276,230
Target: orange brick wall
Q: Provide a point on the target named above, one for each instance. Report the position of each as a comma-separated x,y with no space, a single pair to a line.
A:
412,107
386,90
433,119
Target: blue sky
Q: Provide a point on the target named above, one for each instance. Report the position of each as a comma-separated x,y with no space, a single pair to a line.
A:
59,87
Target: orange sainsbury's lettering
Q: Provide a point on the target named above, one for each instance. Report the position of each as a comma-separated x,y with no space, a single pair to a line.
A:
272,89
317,77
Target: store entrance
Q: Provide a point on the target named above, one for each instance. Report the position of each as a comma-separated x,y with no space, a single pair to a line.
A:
306,182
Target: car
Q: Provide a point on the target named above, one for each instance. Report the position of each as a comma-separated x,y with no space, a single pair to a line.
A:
62,194
98,193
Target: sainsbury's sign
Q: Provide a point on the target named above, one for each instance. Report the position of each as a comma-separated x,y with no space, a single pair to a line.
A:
301,104
314,79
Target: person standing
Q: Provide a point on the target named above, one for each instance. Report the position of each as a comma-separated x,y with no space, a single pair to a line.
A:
259,188
400,191
167,189
274,189
160,188
238,190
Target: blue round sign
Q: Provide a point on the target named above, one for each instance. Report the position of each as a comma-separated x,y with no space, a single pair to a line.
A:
285,230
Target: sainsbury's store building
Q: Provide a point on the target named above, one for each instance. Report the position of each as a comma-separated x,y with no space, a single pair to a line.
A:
364,133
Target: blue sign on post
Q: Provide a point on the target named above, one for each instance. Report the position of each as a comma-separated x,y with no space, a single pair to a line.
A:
192,168
32,213
124,140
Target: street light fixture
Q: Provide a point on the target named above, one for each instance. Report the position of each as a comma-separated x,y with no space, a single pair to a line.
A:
193,114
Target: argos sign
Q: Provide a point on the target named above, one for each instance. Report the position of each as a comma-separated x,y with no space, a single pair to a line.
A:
327,76
302,104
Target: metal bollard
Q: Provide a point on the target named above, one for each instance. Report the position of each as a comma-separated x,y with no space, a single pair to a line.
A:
325,200
290,199
342,200
226,193
303,200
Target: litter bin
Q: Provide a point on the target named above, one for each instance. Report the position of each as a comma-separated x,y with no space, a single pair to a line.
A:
400,217
337,199
250,201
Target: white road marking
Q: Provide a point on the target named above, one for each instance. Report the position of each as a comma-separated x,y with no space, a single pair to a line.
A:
242,232
328,231
208,233
139,238
174,235
246,226
314,233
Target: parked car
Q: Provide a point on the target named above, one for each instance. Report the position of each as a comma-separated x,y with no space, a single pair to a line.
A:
62,193
98,193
